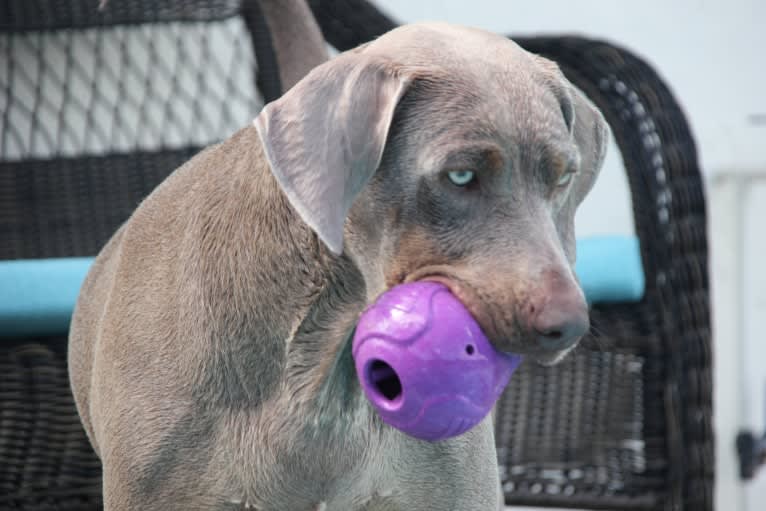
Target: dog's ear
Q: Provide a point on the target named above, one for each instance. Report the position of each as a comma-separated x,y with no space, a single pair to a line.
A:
591,136
324,138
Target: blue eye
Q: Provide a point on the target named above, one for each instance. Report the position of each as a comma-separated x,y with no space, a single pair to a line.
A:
565,179
461,177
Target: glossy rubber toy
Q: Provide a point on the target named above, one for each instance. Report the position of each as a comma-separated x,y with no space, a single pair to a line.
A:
425,364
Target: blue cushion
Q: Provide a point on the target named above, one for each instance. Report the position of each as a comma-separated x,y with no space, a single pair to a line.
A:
37,296
610,269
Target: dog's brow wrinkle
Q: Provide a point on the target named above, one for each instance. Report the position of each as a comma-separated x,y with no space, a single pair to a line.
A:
475,156
555,161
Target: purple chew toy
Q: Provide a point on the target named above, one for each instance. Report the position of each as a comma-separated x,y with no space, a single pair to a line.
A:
425,364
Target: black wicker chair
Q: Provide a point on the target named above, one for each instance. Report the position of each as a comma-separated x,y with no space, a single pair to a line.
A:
624,423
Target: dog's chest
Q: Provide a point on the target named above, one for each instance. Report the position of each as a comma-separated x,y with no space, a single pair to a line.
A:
363,489
378,501
317,467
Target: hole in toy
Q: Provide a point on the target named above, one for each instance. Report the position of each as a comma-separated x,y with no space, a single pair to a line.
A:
385,380
469,349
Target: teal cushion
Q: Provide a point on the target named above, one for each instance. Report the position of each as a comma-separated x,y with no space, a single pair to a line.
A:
610,269
37,296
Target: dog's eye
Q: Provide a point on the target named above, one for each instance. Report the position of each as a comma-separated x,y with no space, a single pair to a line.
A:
461,177
565,179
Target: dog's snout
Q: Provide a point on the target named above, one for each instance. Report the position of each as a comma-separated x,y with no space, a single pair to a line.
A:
560,318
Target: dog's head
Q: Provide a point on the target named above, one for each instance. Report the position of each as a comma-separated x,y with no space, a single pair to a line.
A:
449,154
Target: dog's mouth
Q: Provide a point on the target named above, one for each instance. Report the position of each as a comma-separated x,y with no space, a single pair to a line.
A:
506,336
550,358
463,292
471,300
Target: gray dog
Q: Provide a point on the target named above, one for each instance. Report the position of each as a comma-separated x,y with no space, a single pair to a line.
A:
210,355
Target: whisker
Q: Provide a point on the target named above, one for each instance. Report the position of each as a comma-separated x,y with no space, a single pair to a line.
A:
597,337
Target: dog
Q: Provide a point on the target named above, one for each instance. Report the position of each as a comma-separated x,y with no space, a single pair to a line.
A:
210,346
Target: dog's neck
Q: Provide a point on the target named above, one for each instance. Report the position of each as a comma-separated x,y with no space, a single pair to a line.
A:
320,368
280,306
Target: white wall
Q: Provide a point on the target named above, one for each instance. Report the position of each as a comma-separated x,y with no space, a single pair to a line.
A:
713,56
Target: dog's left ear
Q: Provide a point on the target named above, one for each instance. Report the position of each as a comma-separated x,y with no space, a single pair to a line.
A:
324,138
591,135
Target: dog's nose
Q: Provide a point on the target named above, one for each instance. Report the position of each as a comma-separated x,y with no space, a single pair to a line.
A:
561,320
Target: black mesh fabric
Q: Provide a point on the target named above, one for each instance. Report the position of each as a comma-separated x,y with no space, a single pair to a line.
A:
105,111
124,88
